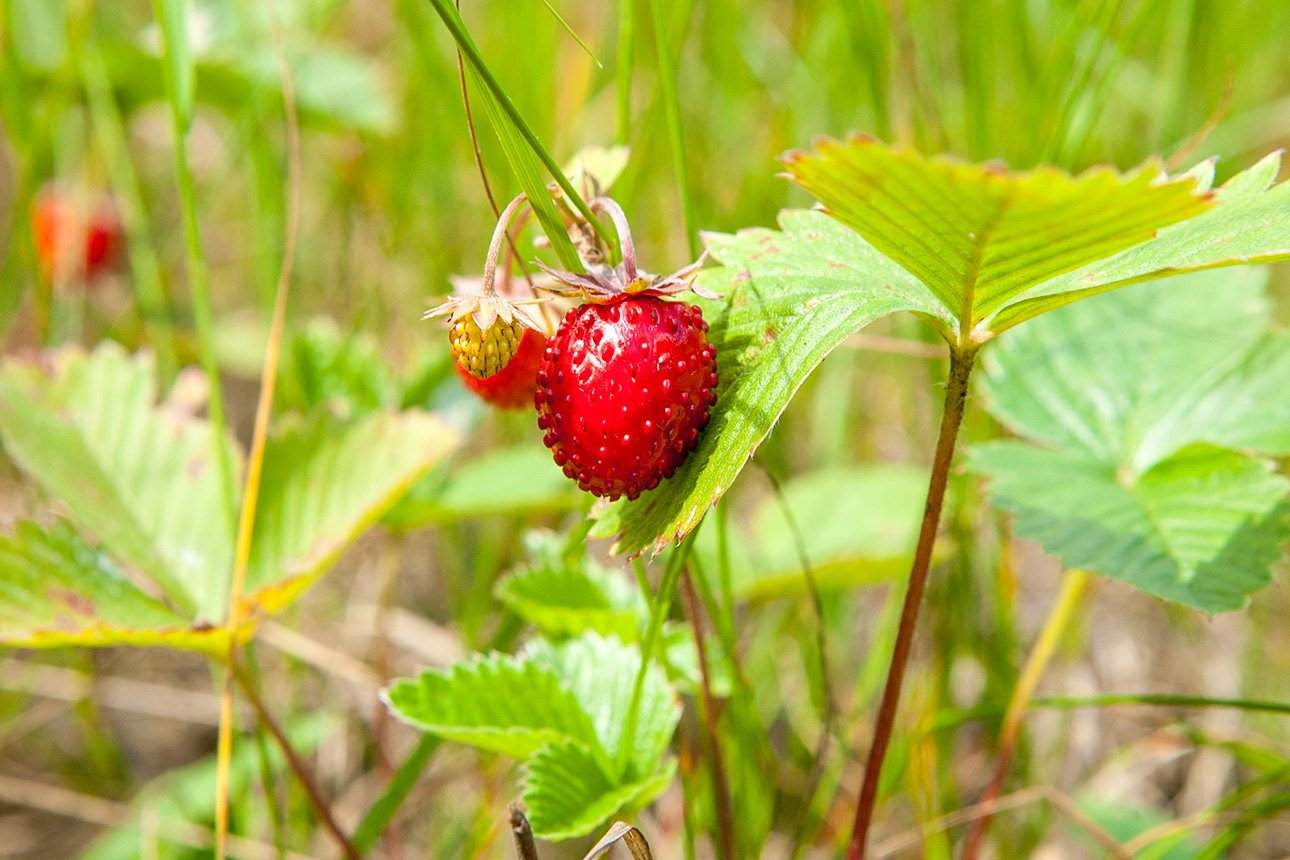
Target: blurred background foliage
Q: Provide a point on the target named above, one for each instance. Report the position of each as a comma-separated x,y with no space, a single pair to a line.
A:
393,205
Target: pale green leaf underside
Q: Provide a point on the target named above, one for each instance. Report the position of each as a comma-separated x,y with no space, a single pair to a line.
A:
138,477
600,671
497,703
140,480
857,525
1147,404
568,795
56,590
790,297
978,236
566,599
1201,528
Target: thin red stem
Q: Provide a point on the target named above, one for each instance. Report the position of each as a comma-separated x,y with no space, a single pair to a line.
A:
626,244
961,360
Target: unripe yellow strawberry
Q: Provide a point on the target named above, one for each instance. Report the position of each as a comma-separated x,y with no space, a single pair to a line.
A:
482,353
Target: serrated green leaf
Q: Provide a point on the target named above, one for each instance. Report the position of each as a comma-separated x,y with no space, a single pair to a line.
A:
978,236
521,479
1135,403
1249,224
791,296
858,526
138,477
498,703
568,795
325,481
565,599
601,672
56,590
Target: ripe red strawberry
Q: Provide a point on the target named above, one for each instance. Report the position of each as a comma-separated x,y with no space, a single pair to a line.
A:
627,382
624,390
72,242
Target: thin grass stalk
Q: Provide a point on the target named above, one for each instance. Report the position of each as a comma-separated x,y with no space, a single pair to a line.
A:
961,362
381,813
675,129
255,462
1059,619
626,57
198,283
467,45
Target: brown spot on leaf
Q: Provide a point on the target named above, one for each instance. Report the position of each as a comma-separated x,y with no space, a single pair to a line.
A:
78,603
769,334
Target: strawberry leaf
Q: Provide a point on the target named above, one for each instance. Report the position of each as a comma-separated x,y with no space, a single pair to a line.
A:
56,590
790,297
1144,413
568,795
138,479
497,703
978,236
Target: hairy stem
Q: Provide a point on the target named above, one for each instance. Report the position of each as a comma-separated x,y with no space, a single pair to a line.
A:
720,784
1068,602
961,360
297,765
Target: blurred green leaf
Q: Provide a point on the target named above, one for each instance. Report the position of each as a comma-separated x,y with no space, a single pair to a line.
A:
325,367
139,479
325,482
1133,405
520,479
791,296
56,590
136,476
565,598
568,795
1125,821
39,34
978,236
857,524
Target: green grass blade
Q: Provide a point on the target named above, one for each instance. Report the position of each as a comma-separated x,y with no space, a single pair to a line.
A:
675,127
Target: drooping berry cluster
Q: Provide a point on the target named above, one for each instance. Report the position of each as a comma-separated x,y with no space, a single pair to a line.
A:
624,390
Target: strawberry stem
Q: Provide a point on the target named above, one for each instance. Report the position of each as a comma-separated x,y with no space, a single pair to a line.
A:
610,207
961,361
495,245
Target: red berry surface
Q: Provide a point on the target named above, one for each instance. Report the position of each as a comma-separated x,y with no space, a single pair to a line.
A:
624,391
85,243
511,387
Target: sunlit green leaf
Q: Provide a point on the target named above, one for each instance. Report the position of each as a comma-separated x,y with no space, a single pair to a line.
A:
979,236
1144,409
791,296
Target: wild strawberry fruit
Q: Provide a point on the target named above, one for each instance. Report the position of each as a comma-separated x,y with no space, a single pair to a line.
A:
628,381
71,240
496,342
